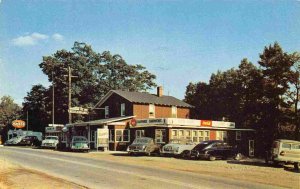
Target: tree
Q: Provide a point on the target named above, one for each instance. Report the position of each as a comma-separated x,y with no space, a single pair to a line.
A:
9,111
37,105
96,75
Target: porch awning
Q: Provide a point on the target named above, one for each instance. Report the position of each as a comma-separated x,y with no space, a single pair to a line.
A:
99,122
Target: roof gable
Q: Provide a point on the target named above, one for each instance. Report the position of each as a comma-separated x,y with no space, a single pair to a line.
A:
145,98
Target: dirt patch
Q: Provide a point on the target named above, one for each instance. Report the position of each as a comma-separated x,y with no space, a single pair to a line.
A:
16,177
248,169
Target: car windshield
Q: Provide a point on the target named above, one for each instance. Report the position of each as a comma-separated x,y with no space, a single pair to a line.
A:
202,145
141,140
51,138
79,139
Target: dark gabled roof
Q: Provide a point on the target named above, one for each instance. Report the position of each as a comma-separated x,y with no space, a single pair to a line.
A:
145,98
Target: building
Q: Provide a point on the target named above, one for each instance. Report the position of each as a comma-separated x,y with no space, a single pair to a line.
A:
126,115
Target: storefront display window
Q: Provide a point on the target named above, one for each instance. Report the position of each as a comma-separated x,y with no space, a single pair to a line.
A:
160,135
195,136
221,135
188,134
139,133
111,135
174,134
122,135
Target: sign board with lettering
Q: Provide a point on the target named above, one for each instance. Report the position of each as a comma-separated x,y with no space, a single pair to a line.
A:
158,121
206,123
19,124
78,110
102,137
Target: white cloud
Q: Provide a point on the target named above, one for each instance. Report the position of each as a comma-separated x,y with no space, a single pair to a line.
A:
29,40
58,37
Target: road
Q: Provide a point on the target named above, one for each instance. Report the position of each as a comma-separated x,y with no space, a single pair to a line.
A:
106,174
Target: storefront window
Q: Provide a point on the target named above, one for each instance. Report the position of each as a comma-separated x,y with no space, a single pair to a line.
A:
188,134
195,136
221,135
111,135
181,133
160,135
122,135
174,134
139,133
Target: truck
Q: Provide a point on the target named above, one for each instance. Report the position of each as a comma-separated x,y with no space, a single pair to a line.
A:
284,152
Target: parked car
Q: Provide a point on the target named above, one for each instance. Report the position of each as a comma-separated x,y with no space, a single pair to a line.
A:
214,149
14,141
79,143
50,142
284,151
30,141
177,147
143,145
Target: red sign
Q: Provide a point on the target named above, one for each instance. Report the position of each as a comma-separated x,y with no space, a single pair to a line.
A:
19,124
133,122
207,123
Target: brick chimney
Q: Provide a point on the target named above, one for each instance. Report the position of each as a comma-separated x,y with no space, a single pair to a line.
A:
160,91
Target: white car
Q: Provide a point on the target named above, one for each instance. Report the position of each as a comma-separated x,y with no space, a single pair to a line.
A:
177,147
50,142
14,141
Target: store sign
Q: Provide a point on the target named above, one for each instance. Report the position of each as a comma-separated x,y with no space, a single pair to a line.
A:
223,124
78,110
102,137
150,121
206,123
19,124
181,121
133,122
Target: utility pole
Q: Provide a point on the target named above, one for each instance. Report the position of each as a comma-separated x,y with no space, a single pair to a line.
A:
27,121
52,100
70,93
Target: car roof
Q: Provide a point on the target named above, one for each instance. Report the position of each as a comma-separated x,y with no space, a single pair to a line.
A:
286,140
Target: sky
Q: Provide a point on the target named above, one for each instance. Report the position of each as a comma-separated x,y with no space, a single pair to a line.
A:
178,41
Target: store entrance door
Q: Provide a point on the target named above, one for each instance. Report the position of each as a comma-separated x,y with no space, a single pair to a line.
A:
251,148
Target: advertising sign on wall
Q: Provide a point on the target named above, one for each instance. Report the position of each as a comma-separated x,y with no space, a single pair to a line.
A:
102,137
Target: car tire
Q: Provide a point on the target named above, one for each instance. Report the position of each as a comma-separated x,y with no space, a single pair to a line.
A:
212,158
297,166
275,163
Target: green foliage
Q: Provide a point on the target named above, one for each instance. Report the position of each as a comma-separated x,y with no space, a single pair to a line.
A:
37,105
264,98
96,74
9,111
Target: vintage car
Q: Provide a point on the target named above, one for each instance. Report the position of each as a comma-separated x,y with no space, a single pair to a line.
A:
50,142
284,152
177,147
143,145
79,143
30,141
14,141
214,149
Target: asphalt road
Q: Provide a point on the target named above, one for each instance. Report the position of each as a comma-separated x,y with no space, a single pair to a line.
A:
106,174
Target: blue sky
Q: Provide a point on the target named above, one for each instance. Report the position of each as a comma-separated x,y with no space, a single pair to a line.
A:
178,41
